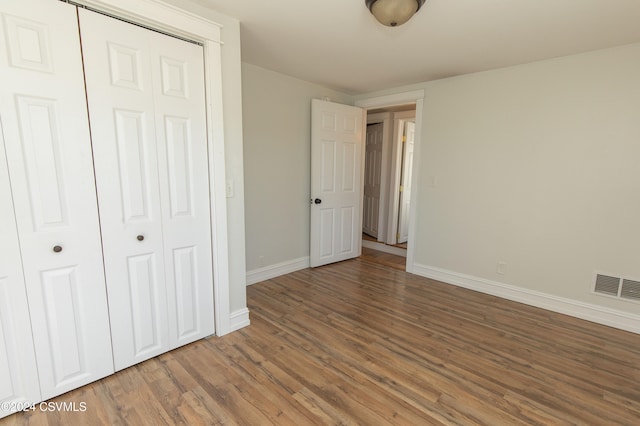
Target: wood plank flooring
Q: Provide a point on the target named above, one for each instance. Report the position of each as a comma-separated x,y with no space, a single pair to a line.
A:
362,343
375,256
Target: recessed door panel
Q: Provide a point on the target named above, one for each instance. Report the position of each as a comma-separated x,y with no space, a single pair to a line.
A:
28,44
41,148
49,159
64,322
174,78
147,300
186,291
179,166
125,65
350,123
347,223
328,167
133,159
327,230
328,121
349,172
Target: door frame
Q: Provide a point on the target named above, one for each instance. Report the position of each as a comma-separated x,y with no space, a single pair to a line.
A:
175,21
402,98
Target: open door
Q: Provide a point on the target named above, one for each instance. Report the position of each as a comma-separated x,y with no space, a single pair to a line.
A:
336,182
372,179
405,188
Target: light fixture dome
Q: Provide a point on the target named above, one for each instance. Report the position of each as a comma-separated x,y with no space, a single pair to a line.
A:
393,12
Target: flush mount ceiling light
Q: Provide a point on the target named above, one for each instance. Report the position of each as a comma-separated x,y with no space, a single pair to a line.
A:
393,12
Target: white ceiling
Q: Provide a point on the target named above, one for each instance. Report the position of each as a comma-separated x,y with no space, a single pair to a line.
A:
338,43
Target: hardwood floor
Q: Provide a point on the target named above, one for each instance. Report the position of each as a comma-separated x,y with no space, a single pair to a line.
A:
375,256
362,343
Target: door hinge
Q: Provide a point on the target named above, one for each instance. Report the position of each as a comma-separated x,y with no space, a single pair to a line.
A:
404,139
397,236
401,188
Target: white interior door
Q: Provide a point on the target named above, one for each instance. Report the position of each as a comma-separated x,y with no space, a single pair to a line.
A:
146,103
372,179
48,151
405,189
19,383
336,182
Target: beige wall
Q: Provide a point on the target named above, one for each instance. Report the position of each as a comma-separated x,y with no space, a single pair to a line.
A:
538,166
277,140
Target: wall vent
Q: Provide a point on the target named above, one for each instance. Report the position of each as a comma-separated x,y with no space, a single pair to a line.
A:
620,288
630,290
607,285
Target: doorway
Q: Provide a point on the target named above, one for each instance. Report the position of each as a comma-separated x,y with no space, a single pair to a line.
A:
415,97
388,167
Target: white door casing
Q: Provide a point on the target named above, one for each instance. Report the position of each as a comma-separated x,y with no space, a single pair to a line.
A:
372,178
405,181
336,182
404,98
147,109
19,384
48,151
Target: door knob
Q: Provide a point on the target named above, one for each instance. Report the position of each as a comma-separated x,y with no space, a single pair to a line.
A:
140,237
317,201
57,249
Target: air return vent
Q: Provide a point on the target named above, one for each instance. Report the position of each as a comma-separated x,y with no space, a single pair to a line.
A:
620,288
630,290
607,285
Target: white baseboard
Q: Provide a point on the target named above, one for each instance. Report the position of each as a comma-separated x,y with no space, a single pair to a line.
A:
385,248
598,314
239,319
272,271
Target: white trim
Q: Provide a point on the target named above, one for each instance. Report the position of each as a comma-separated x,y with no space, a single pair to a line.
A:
169,19
598,314
416,96
276,270
390,100
161,16
384,248
239,319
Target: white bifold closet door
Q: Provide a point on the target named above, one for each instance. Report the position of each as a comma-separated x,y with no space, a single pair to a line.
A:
147,110
19,383
48,149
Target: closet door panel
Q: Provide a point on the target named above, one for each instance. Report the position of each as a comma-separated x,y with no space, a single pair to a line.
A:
50,165
121,109
19,383
184,186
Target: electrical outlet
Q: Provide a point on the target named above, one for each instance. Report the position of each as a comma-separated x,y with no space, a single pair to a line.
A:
502,266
